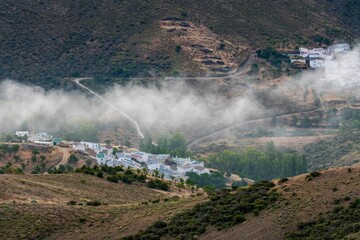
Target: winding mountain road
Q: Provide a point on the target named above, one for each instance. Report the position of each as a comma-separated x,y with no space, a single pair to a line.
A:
136,124
64,158
200,139
241,70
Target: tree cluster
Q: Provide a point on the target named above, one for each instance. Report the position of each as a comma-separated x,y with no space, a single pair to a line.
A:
173,144
260,165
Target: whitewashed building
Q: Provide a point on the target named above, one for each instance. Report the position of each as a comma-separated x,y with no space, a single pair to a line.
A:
22,133
91,145
78,147
340,47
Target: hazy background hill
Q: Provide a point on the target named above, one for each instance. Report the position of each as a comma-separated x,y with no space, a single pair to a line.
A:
41,41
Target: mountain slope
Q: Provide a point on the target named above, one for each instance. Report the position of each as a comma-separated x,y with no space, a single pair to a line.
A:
302,201
124,212
36,207
41,41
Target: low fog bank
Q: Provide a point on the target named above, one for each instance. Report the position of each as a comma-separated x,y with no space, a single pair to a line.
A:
171,107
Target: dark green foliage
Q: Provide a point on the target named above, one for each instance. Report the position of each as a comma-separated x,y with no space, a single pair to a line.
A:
306,122
238,184
314,174
93,203
10,169
273,57
322,40
254,69
283,180
9,149
257,165
215,179
311,175
100,174
337,224
73,159
347,198
72,202
113,178
158,184
223,210
177,48
175,144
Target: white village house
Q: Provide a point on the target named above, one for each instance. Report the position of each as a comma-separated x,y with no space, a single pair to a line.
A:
22,133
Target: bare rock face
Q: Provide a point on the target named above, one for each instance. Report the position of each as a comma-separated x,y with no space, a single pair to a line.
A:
213,53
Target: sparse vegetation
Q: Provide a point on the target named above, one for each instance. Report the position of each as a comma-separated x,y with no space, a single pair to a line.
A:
225,209
338,224
90,49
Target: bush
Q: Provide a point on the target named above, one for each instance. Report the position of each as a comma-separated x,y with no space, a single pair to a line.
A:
283,180
93,203
177,48
113,178
239,218
72,202
312,175
100,174
73,159
158,184
347,198
159,224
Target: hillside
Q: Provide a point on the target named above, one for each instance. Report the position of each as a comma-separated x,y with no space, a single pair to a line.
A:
43,41
122,210
307,206
28,204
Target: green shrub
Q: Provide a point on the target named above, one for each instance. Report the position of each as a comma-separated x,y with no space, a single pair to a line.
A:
158,184
347,198
283,180
93,203
73,159
312,175
72,202
113,178
337,224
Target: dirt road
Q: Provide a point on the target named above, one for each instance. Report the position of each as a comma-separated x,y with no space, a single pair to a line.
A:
65,156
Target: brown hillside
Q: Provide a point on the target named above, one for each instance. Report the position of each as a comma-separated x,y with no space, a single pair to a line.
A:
302,201
122,212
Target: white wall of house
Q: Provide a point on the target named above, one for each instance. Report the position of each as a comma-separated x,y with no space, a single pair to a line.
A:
79,147
153,167
42,143
22,133
317,63
91,145
100,161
